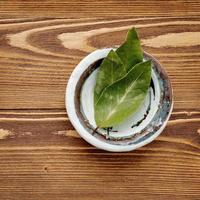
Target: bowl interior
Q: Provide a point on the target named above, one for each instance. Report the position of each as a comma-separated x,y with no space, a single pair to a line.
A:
148,119
132,125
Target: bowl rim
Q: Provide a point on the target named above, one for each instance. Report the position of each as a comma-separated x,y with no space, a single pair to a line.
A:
71,109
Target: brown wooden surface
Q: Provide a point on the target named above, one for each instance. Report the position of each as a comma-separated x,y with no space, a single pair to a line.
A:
41,155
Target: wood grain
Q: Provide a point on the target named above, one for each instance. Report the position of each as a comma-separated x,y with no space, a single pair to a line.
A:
93,8
41,155
38,57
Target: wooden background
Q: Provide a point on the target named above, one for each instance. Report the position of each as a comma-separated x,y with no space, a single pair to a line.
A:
41,155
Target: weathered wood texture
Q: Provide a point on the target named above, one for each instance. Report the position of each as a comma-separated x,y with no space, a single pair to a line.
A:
94,8
41,155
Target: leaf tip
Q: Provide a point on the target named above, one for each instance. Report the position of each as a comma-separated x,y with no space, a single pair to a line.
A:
132,34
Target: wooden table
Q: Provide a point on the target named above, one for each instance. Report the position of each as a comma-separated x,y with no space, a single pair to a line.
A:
41,155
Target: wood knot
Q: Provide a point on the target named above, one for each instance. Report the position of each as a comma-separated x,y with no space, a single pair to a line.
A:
46,169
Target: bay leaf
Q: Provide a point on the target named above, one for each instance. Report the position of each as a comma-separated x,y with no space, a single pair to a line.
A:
121,99
116,65
130,51
111,69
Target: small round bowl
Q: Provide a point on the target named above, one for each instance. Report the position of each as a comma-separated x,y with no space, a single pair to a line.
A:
139,129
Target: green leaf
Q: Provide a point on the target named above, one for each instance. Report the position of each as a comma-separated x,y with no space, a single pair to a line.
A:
116,65
123,98
110,70
130,51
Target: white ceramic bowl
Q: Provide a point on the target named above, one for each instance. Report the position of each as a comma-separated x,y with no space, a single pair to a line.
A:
139,129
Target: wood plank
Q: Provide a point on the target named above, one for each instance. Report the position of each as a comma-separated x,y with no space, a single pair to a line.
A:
42,157
114,8
38,56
